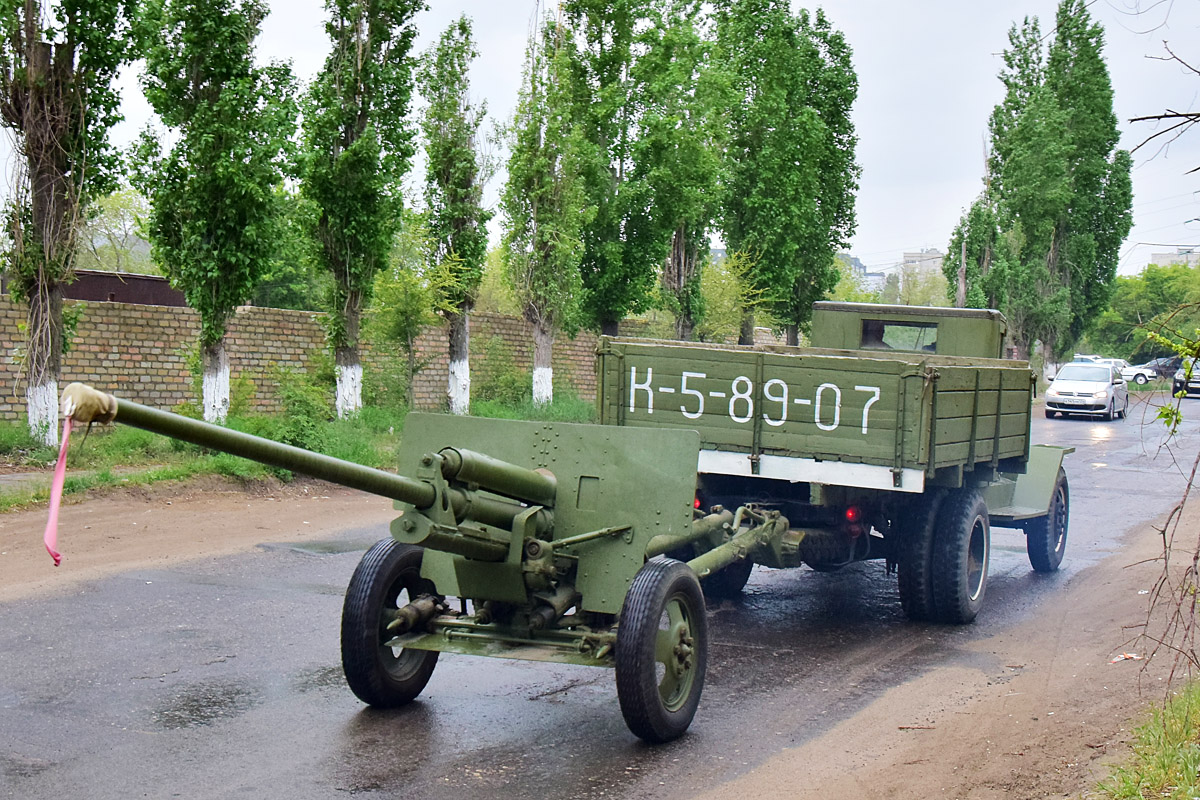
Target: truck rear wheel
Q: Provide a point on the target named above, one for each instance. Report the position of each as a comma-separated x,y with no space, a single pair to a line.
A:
662,650
916,555
387,578
961,551
1046,537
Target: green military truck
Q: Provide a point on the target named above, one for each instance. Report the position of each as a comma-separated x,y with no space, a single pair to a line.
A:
901,434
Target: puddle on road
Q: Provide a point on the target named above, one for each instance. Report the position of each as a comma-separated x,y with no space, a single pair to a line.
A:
316,679
206,703
328,547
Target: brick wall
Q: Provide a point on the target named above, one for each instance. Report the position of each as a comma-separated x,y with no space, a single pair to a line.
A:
140,352
574,359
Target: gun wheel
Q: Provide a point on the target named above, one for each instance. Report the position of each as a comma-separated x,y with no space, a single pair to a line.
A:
387,578
1046,537
662,650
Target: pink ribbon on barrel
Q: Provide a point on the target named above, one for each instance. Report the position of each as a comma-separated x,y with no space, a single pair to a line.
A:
50,537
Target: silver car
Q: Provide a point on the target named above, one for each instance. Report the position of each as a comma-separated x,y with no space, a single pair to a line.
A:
1091,389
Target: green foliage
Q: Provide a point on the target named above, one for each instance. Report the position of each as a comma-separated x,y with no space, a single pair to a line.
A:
455,171
677,149
409,297
544,201
293,278
1059,187
1165,761
58,62
61,112
564,408
910,285
989,256
111,237
498,378
306,405
214,224
241,389
72,315
729,291
386,384
790,175
623,244
495,293
1163,300
358,148
849,288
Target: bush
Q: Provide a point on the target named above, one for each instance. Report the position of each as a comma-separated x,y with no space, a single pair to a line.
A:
565,407
497,377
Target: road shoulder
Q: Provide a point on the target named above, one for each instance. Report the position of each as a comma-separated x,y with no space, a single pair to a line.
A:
1044,715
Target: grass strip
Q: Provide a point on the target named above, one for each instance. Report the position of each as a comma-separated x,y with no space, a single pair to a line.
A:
1166,754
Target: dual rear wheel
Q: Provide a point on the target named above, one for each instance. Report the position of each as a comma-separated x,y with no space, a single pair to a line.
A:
946,541
946,547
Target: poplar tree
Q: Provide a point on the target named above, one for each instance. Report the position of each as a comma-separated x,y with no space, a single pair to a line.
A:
677,149
1061,187
214,222
545,208
454,179
790,174
622,245
358,149
57,65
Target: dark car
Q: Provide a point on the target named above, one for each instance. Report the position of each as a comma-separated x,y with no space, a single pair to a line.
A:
1165,366
1185,383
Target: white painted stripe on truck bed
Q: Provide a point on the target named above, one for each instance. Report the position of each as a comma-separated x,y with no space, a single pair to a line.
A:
809,470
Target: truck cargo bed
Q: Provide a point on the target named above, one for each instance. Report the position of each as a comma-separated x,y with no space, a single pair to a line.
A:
880,419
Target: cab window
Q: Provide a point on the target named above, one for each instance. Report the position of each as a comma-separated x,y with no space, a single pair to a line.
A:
916,337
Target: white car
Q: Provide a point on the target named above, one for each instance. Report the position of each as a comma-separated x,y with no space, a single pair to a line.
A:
1090,389
1141,374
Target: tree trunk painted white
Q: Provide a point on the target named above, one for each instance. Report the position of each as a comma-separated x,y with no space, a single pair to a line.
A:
458,387
349,373
543,373
43,362
41,403
215,381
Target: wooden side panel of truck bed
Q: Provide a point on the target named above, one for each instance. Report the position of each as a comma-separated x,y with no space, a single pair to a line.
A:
886,408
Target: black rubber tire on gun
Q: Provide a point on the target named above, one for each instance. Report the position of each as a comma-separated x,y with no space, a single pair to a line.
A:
663,623
961,551
1046,537
387,578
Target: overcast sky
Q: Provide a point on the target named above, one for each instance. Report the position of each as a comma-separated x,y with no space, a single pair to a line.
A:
927,83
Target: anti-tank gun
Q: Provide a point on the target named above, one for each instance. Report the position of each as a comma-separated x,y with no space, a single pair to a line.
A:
542,541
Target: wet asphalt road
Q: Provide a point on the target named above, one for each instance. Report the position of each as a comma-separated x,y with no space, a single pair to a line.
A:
222,678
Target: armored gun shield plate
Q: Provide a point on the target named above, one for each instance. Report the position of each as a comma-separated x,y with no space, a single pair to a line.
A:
608,477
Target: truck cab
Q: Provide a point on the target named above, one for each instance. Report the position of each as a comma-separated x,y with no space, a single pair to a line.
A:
970,332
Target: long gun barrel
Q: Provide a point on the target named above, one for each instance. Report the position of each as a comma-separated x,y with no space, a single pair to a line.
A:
86,404
285,456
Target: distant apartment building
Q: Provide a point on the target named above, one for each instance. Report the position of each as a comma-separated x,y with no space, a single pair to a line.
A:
874,281
926,260
1187,256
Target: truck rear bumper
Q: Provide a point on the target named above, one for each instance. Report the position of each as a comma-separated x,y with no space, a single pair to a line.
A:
811,470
